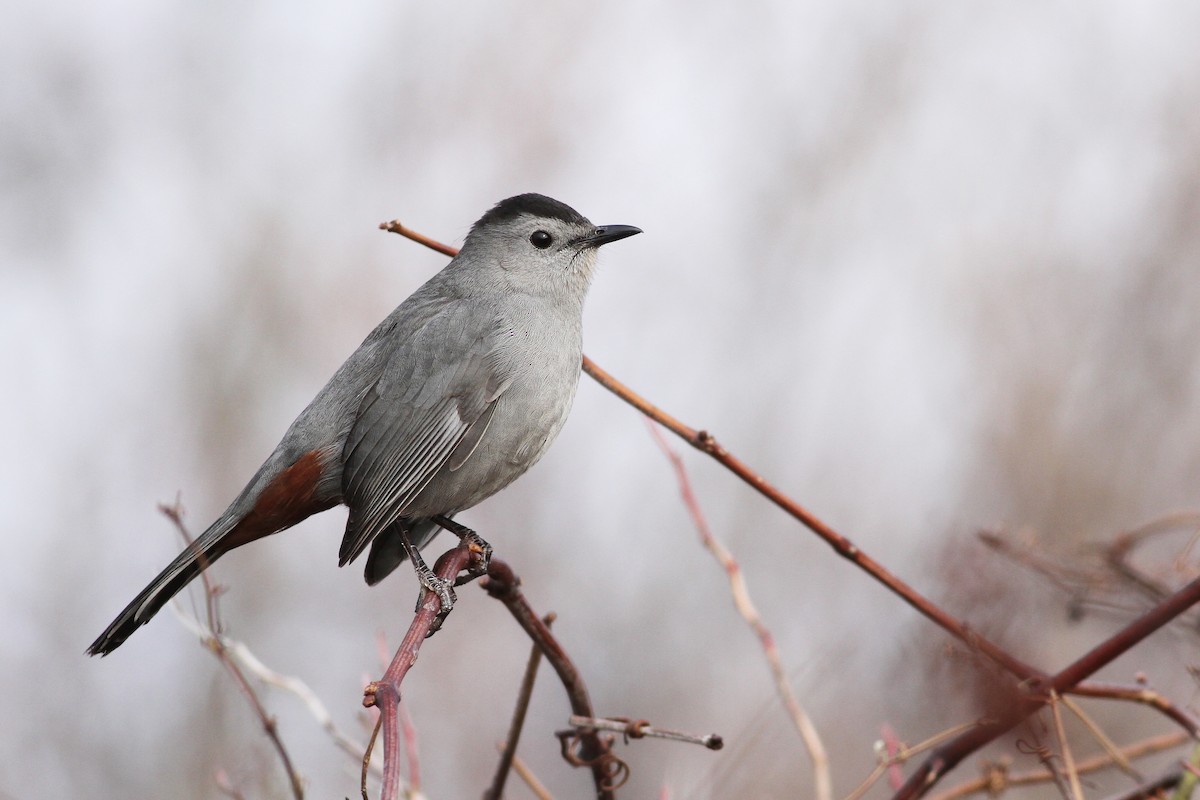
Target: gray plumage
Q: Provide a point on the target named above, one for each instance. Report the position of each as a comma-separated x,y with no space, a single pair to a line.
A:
453,396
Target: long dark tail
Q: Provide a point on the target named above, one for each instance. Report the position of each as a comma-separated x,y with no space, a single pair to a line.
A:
276,498
186,566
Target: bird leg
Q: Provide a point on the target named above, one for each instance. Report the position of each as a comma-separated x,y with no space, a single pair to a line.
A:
444,589
481,551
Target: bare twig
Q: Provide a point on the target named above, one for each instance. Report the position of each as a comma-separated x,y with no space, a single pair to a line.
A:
1100,736
589,749
407,728
903,754
508,753
1143,695
251,663
823,783
384,694
1119,552
642,729
1065,747
946,758
216,645
526,774
367,766
995,784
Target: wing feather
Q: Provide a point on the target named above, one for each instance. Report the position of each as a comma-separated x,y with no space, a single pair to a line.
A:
435,394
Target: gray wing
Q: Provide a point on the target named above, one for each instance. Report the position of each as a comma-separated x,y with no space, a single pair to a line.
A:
435,394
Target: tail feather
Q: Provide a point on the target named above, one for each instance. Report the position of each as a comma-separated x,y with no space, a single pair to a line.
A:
186,566
293,484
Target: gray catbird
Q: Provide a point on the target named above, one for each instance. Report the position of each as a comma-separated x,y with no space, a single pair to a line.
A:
450,399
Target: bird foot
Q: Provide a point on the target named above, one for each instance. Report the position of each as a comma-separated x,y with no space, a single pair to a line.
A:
481,551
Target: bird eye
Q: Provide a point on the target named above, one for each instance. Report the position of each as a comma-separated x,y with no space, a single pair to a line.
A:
540,239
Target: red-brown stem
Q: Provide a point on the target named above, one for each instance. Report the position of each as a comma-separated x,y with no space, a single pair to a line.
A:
503,584
496,790
1143,695
949,755
385,693
706,443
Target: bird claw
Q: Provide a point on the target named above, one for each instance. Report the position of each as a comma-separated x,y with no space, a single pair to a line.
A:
481,551
481,554
444,590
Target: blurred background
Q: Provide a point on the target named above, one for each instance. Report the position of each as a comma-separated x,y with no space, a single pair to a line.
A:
929,268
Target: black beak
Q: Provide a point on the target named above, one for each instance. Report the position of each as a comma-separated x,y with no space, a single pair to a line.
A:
608,233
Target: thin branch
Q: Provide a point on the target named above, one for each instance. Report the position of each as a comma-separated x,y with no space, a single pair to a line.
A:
706,443
1143,695
642,729
496,791
213,641
946,758
384,694
251,663
995,781
1065,747
823,783
588,749
1100,736
903,754
526,774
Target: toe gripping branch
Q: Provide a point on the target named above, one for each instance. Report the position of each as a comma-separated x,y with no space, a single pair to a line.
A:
480,558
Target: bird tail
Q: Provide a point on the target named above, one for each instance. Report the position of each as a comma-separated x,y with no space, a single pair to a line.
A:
198,556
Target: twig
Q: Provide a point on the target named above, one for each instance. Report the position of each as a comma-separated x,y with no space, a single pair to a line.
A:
407,728
251,663
823,783
903,754
1143,695
589,749
526,774
496,791
1065,747
215,644
384,694
367,766
641,729
1100,736
946,758
706,443
995,784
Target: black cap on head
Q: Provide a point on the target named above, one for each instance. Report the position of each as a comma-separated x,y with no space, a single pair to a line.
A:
537,205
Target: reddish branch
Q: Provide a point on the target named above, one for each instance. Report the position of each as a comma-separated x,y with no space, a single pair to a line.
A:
949,755
385,693
509,752
587,748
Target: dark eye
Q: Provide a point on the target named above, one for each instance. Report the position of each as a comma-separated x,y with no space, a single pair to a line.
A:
540,239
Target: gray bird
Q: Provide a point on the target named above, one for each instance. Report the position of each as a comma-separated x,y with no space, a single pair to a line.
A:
449,400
